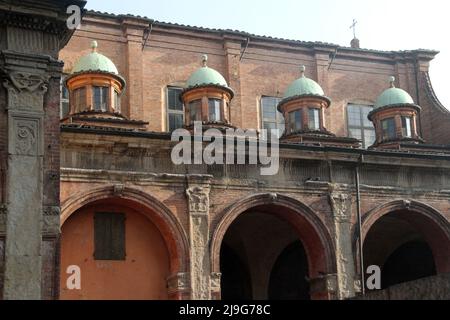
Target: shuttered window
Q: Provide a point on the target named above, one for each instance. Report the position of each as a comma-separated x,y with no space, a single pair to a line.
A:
109,236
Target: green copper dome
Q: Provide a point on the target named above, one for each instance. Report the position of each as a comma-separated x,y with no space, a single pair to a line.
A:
303,86
94,61
206,76
393,96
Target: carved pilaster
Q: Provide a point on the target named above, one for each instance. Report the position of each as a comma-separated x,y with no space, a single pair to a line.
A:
341,205
324,287
215,285
178,285
31,35
26,90
198,203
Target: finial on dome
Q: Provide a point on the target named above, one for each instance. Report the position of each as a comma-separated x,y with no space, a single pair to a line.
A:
302,71
204,59
94,46
391,81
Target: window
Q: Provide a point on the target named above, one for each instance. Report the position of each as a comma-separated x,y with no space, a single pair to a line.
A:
100,98
195,111
313,119
359,126
295,120
109,236
175,113
214,109
271,117
79,96
116,102
64,100
406,127
388,127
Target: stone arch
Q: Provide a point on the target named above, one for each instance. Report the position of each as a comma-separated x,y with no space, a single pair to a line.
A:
314,232
163,218
434,227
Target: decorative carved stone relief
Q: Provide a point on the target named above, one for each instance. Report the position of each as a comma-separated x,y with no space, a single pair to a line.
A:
341,204
52,211
198,199
26,90
178,282
25,136
198,204
215,281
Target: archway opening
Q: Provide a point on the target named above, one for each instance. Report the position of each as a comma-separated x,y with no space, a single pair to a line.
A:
262,255
405,245
289,276
120,252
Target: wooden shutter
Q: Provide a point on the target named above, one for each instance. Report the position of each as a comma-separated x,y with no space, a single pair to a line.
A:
109,236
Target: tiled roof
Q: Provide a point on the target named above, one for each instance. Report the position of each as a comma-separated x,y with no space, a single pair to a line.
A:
260,37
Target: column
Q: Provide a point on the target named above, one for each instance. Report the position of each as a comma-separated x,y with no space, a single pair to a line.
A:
32,34
341,204
200,263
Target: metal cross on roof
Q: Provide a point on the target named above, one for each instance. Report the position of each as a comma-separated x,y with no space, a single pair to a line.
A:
353,26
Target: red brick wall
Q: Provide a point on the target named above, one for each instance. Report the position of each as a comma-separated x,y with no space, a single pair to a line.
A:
267,67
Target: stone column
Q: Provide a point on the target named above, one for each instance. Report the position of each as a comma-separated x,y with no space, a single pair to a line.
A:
178,286
31,35
341,204
200,265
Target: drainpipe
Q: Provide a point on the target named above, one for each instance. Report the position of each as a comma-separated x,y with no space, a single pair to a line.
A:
358,211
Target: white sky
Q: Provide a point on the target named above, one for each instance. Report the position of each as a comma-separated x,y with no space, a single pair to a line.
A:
382,24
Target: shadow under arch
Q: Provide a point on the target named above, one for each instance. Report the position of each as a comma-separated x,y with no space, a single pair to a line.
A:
434,227
312,231
163,218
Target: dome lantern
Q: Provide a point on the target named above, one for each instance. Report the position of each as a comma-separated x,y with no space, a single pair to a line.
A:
95,85
303,107
207,97
395,117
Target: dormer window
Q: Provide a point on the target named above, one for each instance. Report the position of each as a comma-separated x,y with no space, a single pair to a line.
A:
195,111
388,126
214,109
100,98
295,121
313,119
79,99
406,127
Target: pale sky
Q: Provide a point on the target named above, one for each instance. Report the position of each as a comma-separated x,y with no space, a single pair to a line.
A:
382,24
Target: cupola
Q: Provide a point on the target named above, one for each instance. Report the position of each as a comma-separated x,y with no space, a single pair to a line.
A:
207,97
95,89
395,117
303,107
95,84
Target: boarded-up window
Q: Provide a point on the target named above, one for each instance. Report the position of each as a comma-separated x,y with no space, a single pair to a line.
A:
109,236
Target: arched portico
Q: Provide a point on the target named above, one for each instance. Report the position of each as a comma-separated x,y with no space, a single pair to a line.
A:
304,222
407,240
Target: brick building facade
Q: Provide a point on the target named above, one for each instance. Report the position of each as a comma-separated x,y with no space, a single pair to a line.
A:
139,226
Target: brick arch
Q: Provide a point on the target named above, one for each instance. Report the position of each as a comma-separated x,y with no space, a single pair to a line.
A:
311,230
433,226
163,218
